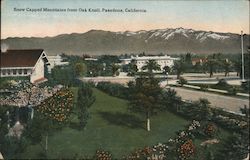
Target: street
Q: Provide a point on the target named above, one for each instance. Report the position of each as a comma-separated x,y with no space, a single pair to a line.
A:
220,101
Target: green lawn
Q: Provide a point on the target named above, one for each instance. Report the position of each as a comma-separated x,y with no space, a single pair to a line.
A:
111,127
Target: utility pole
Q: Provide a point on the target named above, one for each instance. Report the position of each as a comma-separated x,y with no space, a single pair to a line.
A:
242,57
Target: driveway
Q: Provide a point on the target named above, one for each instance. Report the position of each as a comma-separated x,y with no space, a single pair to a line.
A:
228,103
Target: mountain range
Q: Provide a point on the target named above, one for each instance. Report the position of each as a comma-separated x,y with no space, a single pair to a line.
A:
167,41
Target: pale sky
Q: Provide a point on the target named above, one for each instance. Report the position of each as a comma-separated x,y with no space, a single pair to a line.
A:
217,15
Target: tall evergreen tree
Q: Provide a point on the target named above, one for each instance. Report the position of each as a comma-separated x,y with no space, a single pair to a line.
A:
84,101
145,92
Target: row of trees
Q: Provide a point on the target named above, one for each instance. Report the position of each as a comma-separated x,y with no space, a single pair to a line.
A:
211,64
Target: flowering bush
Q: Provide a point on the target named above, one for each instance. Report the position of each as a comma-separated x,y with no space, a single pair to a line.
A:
139,154
157,152
210,130
186,150
59,106
102,155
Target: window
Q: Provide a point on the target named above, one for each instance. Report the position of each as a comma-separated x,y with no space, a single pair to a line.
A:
3,71
8,71
25,71
14,71
19,71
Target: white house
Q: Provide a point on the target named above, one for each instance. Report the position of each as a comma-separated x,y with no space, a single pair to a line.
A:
21,63
141,61
56,61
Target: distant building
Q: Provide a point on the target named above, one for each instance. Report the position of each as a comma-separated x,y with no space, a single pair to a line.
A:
21,63
56,61
141,61
90,59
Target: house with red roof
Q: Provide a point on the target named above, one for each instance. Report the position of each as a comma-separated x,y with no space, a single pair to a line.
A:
27,62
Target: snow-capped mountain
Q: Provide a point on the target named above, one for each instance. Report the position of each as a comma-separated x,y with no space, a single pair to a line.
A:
168,41
167,34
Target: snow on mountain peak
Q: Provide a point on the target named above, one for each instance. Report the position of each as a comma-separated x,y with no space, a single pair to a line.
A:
171,32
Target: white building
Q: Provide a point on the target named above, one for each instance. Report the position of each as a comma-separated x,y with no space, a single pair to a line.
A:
21,63
56,61
141,61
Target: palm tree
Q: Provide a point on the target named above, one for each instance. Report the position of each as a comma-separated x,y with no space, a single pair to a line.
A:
211,63
151,66
179,67
132,68
166,69
226,65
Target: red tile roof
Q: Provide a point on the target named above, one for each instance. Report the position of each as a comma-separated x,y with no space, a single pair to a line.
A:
20,58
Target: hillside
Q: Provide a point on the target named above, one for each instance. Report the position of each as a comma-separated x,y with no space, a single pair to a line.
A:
168,41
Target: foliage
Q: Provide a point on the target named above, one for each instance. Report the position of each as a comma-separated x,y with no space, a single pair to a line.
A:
210,130
186,150
103,66
169,100
234,147
63,75
79,69
115,69
166,69
132,68
84,100
4,83
113,89
201,110
145,93
179,67
102,155
151,66
182,81
204,87
246,86
50,115
12,147
58,107
213,63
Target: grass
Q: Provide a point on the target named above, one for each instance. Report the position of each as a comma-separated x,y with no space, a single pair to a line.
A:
111,127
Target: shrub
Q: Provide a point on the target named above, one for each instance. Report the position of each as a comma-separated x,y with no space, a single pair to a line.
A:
246,86
204,87
222,84
232,91
113,89
186,150
103,155
182,81
58,107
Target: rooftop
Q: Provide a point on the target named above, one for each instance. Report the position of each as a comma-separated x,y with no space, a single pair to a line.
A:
20,58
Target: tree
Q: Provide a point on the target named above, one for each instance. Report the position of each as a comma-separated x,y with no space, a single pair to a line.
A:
115,69
211,62
170,100
132,68
63,75
84,100
166,69
202,110
144,96
79,68
151,66
226,65
234,147
179,67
